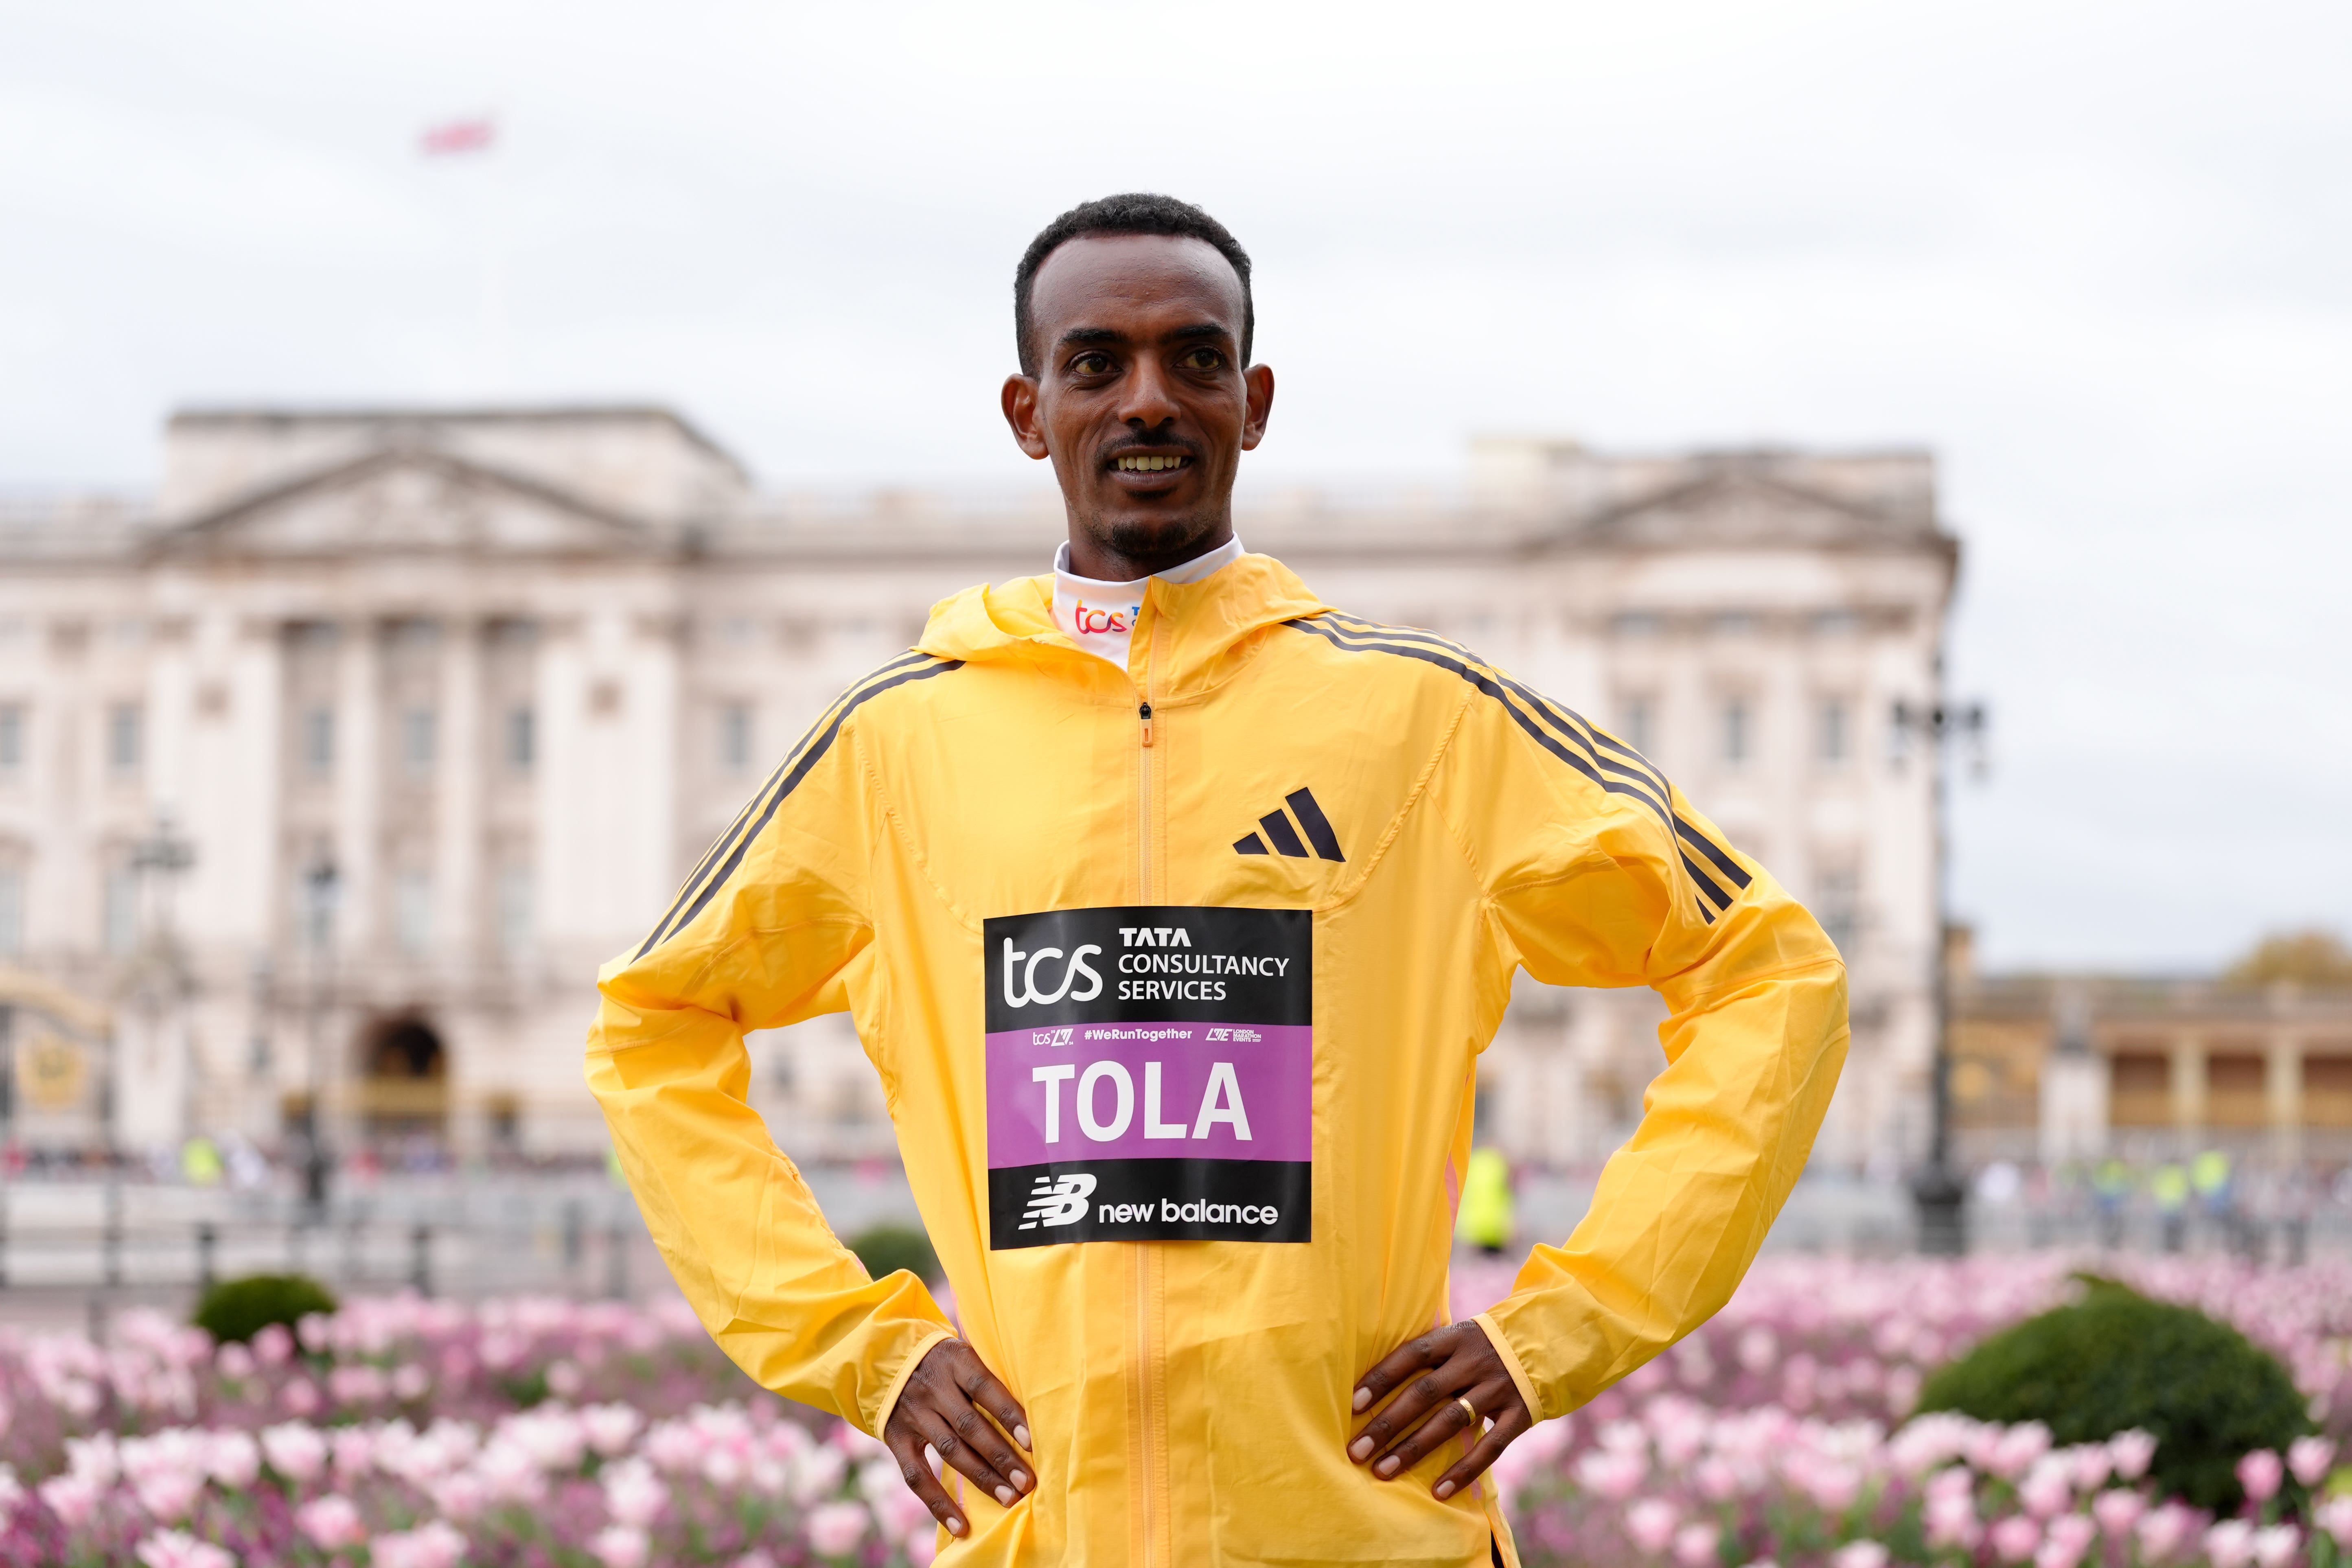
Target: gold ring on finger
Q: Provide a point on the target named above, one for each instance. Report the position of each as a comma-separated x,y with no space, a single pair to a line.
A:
1468,1409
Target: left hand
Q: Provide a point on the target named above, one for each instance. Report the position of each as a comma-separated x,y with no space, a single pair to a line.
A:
1457,1362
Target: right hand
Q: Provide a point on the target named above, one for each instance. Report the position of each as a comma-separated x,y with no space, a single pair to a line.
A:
939,1417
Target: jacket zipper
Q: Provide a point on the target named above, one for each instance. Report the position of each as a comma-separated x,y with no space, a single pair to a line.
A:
1149,1405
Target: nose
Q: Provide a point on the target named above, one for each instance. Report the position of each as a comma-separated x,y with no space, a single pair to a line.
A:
1148,403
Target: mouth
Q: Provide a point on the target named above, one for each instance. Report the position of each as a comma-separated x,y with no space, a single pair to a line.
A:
1150,462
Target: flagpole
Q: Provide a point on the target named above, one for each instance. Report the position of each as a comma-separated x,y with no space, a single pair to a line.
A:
493,345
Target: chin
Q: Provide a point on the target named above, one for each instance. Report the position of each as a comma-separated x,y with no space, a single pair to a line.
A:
1151,536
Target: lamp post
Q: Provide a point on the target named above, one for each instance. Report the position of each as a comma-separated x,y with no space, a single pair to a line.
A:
1938,1192
322,886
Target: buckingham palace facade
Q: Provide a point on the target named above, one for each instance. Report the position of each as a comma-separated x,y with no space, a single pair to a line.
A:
330,772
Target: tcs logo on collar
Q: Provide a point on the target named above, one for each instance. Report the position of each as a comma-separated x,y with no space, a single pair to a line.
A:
1094,620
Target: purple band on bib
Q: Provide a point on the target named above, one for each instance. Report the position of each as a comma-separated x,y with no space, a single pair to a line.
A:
1158,1091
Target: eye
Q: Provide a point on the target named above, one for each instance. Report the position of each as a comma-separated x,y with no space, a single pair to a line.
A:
1091,364
1202,359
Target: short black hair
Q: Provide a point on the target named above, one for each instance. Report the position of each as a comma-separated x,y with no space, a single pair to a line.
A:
1134,212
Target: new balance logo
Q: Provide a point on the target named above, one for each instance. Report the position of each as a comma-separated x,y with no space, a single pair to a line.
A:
1284,837
1057,1200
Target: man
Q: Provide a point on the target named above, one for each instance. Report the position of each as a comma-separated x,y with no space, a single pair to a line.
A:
1174,907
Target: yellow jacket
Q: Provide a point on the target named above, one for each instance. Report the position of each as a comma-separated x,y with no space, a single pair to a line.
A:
1204,955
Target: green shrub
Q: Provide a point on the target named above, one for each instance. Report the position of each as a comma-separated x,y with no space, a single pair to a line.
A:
240,1309
2116,1360
886,1247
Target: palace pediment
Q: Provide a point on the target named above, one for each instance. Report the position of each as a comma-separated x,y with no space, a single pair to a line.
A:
1738,507
407,501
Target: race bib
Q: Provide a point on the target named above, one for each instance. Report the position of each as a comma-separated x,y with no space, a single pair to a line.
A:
1151,1075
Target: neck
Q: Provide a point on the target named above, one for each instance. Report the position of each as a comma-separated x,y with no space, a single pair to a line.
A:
1106,561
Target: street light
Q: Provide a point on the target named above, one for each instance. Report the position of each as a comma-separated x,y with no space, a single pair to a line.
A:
322,886
1939,1193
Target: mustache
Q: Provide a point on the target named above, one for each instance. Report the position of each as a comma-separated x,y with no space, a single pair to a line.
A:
1160,446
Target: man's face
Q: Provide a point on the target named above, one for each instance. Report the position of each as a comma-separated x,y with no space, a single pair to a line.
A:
1140,398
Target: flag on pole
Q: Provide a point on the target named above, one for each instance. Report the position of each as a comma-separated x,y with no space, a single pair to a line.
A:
460,136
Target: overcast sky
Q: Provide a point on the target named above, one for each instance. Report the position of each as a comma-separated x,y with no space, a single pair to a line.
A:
2099,257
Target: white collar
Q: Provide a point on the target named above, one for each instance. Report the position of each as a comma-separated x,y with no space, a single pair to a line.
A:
1100,617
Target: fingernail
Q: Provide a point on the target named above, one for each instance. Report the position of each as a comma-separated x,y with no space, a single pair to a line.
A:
931,1457
955,1525
1021,1435
1363,1397
1387,1467
1360,1450
1444,1491
1006,1496
1021,1480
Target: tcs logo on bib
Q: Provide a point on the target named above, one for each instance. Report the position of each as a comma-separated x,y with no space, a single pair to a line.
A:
1021,984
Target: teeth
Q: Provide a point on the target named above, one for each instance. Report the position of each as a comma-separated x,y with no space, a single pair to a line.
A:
1149,465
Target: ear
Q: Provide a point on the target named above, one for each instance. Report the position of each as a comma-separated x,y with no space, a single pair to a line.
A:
1021,413
1259,381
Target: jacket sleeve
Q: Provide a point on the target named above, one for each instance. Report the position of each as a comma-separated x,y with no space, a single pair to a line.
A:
763,935
1595,871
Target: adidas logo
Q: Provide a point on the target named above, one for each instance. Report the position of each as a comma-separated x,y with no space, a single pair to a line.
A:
1284,837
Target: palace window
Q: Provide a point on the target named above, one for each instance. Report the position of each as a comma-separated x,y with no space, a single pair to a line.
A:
123,740
1835,735
411,913
522,738
317,741
1738,738
1837,904
119,909
735,737
416,740
1635,724
514,911
12,909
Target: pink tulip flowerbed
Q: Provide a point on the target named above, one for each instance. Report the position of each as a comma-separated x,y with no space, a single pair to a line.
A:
408,1434
1782,1433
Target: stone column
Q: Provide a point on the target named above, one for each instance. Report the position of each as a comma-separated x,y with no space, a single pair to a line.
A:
460,848
460,772
2188,1085
360,762
359,785
2283,1082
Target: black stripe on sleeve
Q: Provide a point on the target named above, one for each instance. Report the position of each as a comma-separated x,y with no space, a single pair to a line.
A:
1494,688
1706,884
726,841
1705,845
1427,647
1573,726
1249,844
1310,817
812,752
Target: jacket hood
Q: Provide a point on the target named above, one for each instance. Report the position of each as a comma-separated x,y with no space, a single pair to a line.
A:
1190,636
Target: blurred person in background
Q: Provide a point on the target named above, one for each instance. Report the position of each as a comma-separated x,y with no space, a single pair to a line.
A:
1486,1220
2169,1189
2111,1187
2214,1182
1173,906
